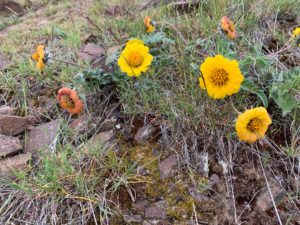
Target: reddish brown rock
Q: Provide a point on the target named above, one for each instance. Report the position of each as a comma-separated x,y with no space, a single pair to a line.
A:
185,6
91,52
141,204
9,145
166,166
114,10
7,110
42,136
17,162
10,7
13,125
155,213
89,38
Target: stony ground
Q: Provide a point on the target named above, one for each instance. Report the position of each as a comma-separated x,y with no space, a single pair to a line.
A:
126,160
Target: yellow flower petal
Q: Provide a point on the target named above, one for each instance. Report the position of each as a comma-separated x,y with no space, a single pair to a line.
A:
135,59
222,77
252,124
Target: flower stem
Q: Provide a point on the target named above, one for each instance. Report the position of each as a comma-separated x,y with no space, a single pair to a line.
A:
234,108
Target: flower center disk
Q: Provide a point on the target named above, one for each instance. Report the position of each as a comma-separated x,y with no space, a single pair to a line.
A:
254,125
68,102
219,77
135,59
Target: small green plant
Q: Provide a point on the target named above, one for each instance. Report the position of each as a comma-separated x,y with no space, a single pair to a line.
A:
285,90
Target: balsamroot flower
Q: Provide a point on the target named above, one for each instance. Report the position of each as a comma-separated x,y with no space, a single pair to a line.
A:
252,124
135,59
134,40
228,27
220,76
149,24
296,35
39,57
68,99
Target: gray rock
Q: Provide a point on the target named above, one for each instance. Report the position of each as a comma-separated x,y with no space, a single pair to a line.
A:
9,145
264,202
132,218
42,136
203,164
166,166
144,133
104,139
214,179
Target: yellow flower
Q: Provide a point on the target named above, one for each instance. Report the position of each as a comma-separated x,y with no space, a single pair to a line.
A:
39,57
296,35
221,76
252,124
135,59
149,24
134,40
296,32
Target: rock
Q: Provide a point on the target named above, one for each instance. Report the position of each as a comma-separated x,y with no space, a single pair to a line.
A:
13,125
107,125
185,6
7,110
114,10
113,50
132,218
166,166
146,223
42,136
113,111
89,38
141,204
203,164
91,52
214,179
264,202
9,145
17,162
105,139
4,63
155,213
10,7
82,124
144,133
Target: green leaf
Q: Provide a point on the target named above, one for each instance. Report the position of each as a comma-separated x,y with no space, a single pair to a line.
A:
285,90
251,87
157,38
59,32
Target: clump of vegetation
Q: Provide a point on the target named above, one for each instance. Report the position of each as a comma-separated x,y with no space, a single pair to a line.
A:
210,83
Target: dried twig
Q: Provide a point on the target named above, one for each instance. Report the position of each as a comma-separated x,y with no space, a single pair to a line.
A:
269,189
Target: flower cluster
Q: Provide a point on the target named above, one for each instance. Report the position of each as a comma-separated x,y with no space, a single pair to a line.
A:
40,57
149,24
228,27
219,76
